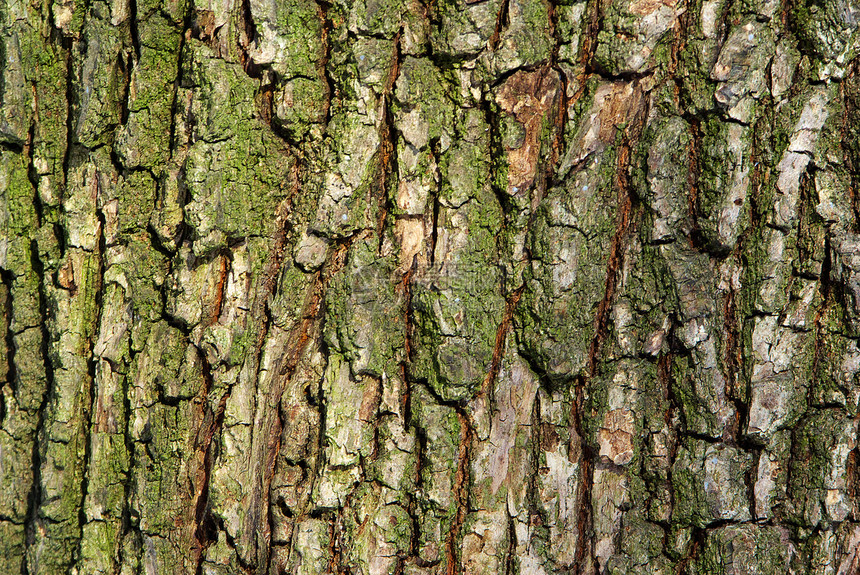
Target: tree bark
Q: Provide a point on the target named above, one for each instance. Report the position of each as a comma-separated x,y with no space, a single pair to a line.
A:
429,286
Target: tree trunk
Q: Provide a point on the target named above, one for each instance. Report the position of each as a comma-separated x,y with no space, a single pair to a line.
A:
429,286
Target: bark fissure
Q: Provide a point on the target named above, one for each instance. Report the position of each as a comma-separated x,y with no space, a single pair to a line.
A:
323,63
9,375
461,494
212,422
91,379
501,23
34,498
629,138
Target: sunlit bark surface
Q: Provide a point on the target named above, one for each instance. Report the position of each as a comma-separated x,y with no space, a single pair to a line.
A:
429,287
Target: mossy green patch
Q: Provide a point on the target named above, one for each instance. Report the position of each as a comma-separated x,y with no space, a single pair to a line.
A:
753,548
237,171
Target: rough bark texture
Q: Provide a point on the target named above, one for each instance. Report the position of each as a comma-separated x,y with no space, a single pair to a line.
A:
429,286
